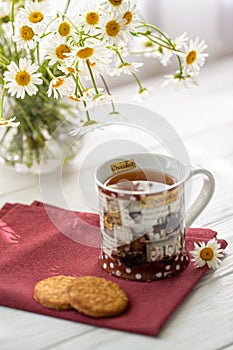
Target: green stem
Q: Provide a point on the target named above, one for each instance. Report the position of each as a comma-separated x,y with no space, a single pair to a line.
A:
50,73
156,41
2,65
13,20
13,16
72,23
168,40
78,89
4,59
4,135
88,116
85,104
38,53
67,6
26,118
45,34
137,80
92,77
108,92
133,74
117,52
2,101
147,25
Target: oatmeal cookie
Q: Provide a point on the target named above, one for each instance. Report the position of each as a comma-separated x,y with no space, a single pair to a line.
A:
97,297
52,292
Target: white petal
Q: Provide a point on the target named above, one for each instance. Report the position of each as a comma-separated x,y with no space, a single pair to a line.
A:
37,81
22,64
9,75
32,68
13,67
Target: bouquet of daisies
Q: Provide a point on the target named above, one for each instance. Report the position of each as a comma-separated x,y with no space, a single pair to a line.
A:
48,57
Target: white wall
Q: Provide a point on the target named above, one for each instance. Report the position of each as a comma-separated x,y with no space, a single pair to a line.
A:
212,20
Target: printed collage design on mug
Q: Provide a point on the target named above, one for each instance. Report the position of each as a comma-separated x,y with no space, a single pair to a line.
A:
143,235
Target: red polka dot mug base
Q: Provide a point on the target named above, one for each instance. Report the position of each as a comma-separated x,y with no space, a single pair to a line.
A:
146,272
143,218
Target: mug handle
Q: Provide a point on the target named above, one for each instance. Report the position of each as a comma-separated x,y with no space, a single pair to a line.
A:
203,197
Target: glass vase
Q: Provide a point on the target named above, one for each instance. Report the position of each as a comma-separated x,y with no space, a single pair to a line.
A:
45,125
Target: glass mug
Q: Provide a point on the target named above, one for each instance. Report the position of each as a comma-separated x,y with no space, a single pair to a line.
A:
143,220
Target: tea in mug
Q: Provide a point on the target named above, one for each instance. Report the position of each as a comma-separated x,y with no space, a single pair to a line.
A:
139,180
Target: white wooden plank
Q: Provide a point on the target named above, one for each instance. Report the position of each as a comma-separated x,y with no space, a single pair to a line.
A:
10,181
23,330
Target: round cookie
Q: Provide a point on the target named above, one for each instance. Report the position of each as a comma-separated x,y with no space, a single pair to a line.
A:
97,297
52,292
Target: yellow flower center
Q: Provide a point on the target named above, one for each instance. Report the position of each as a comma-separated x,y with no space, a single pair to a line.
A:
64,29
74,98
191,57
207,253
128,16
116,2
36,17
85,53
57,83
61,51
112,28
92,18
26,33
70,70
23,78
3,122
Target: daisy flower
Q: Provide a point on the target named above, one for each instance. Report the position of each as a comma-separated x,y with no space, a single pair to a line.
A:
4,11
180,41
114,30
89,126
113,5
34,14
82,130
90,17
99,100
57,52
8,122
87,96
61,28
60,86
141,94
130,13
102,99
23,78
148,48
179,81
90,92
145,47
126,68
210,254
25,37
164,55
66,69
194,57
97,57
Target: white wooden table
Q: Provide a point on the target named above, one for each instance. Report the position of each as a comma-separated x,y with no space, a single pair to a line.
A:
203,117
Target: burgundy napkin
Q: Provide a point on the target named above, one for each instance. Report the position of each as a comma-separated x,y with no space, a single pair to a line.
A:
33,247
